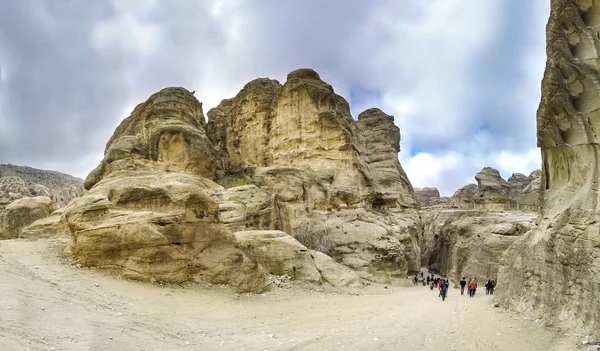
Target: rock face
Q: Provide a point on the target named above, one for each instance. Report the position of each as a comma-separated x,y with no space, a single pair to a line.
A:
313,165
554,270
427,197
17,182
148,213
46,227
21,213
291,158
281,254
461,243
493,193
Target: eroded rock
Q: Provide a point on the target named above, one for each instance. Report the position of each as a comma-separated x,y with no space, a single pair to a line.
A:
21,213
148,213
553,271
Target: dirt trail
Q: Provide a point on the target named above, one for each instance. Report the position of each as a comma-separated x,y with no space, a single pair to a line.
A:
47,305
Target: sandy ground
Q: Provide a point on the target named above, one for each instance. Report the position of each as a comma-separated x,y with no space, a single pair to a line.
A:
48,305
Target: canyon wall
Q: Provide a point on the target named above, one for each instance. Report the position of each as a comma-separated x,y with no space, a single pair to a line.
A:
553,272
467,235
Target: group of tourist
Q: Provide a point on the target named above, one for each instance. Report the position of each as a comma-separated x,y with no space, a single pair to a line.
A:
472,286
443,284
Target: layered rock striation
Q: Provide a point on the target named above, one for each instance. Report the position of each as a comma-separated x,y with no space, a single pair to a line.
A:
315,169
553,271
148,213
292,161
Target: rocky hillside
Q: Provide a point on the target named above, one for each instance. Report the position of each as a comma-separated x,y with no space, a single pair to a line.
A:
17,182
177,198
553,272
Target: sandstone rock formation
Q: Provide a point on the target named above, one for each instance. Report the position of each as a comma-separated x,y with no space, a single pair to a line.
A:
281,254
427,197
313,164
21,213
46,227
148,213
553,271
493,193
292,159
17,182
465,243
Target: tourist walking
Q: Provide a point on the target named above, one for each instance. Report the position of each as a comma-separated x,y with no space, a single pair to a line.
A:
444,290
488,285
472,288
463,283
492,286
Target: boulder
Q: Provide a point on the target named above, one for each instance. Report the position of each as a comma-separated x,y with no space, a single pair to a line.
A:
552,272
21,213
334,273
48,227
279,253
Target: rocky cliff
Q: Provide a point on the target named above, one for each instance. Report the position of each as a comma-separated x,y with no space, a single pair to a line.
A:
554,270
17,182
317,172
292,161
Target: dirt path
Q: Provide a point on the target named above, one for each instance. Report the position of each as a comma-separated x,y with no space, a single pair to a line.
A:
47,305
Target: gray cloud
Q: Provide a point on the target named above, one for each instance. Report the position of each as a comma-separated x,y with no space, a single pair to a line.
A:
72,71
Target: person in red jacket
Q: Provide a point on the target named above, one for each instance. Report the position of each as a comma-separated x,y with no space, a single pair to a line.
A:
472,287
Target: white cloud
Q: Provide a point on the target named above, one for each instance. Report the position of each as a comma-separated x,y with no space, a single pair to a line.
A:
452,170
125,31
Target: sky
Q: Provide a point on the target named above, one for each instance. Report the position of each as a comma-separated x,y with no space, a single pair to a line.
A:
461,77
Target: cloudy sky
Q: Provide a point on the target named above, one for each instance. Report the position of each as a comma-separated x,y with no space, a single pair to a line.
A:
462,77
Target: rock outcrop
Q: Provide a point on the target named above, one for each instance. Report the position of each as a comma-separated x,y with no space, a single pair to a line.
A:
17,182
493,193
281,254
553,271
427,197
290,158
148,213
312,164
21,213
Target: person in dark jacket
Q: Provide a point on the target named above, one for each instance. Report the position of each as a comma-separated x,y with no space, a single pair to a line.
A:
463,283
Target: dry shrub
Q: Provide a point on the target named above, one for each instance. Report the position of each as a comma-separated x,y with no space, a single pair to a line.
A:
314,237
